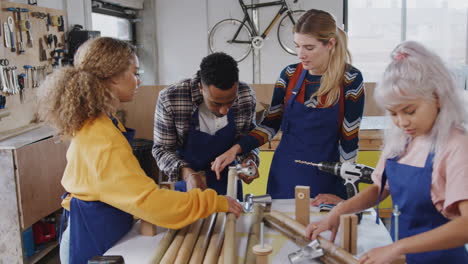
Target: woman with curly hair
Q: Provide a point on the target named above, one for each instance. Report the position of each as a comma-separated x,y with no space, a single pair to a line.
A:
105,184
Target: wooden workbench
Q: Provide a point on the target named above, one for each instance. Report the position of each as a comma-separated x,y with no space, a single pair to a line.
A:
137,249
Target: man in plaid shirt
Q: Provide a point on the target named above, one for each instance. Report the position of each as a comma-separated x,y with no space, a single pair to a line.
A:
200,118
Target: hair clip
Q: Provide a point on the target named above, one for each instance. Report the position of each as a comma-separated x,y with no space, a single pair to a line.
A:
400,56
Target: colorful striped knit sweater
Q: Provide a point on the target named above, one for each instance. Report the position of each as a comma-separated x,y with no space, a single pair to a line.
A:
353,110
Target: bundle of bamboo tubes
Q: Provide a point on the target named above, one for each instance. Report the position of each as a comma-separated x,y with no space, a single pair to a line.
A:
202,241
332,252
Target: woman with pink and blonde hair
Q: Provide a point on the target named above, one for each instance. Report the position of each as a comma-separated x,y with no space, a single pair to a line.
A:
424,163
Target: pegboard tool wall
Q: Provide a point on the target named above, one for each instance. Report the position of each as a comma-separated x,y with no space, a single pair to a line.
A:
21,114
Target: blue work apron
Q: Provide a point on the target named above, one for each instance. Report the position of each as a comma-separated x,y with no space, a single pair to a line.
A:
201,148
309,134
410,188
96,226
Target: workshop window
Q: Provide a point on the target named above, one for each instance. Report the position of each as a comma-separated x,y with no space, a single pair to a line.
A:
114,21
111,26
376,27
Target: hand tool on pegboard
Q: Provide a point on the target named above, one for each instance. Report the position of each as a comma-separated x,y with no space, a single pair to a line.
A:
28,75
11,29
48,21
25,25
21,87
42,51
3,78
17,11
2,102
61,28
6,35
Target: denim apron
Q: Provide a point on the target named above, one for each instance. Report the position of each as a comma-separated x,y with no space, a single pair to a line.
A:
410,188
96,226
201,148
310,134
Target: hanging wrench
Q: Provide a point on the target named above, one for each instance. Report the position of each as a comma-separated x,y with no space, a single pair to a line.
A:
15,80
4,87
11,28
6,35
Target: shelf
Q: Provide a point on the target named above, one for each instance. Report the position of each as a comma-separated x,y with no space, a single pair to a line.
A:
39,255
4,113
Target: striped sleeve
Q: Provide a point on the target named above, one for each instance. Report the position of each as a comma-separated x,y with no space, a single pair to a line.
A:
271,124
353,111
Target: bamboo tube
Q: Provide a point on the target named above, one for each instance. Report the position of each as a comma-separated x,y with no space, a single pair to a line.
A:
185,251
327,259
254,234
230,237
171,252
221,256
216,241
299,241
203,240
163,246
299,229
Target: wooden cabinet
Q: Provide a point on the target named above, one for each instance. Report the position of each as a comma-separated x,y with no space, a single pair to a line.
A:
31,166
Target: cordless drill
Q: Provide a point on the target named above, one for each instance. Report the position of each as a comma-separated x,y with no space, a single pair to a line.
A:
351,173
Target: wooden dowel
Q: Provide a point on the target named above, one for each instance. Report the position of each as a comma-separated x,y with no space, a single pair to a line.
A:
299,229
171,252
230,237
254,234
185,251
163,246
216,241
147,228
203,240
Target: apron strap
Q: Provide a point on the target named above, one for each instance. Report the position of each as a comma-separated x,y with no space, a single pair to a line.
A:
382,186
293,83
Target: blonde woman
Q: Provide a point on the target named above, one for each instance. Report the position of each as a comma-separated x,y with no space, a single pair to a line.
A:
105,184
318,104
424,164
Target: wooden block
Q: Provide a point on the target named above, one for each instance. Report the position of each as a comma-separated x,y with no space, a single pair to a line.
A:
167,185
353,234
262,253
345,225
303,204
147,229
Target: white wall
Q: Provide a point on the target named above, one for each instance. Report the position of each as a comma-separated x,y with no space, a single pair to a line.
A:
182,30
173,35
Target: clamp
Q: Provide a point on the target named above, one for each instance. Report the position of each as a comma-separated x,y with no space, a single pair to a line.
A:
309,252
250,200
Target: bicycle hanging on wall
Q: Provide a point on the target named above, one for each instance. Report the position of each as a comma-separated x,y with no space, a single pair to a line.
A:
238,37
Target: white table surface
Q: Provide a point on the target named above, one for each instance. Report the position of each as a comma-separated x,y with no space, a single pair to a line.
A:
137,249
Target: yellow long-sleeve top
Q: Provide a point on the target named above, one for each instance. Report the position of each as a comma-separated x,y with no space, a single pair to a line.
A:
101,167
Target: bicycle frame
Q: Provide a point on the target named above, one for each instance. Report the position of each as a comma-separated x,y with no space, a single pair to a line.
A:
245,8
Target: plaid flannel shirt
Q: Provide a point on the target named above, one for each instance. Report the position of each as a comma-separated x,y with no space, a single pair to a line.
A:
176,106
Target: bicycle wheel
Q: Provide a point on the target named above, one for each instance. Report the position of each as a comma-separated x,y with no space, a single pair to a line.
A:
221,38
285,31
